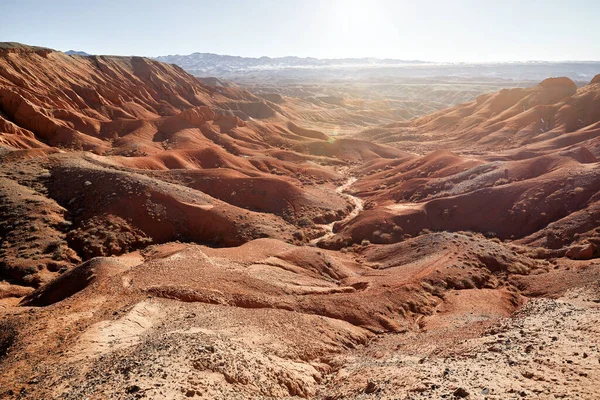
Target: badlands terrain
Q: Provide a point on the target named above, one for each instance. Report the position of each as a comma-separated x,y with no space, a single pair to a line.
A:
167,236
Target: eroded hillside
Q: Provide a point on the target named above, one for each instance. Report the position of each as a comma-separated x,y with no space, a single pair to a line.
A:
162,237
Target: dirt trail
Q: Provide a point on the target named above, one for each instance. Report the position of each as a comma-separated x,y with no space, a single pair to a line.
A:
358,207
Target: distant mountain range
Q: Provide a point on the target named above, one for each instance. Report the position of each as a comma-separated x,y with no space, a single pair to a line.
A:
250,68
76,53
210,62
232,67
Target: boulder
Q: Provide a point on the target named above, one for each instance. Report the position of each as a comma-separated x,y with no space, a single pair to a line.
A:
581,252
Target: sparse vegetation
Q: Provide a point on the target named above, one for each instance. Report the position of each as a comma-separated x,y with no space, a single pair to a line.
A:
8,336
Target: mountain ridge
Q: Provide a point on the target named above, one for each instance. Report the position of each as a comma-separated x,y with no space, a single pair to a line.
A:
227,66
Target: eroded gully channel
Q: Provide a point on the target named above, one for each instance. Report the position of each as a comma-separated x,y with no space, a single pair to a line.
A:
358,207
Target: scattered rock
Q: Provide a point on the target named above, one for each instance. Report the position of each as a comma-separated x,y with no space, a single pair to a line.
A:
133,389
371,387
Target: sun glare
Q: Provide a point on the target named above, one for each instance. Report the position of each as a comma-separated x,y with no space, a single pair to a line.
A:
358,16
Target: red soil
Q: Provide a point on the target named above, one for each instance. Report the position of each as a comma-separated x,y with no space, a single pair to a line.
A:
155,239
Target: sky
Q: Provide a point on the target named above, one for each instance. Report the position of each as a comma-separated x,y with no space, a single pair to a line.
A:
429,30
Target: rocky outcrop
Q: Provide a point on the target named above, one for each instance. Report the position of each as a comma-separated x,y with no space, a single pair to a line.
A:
228,122
197,115
251,109
272,97
555,89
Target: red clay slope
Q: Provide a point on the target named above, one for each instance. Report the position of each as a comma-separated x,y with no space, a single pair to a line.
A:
521,181
173,159
546,117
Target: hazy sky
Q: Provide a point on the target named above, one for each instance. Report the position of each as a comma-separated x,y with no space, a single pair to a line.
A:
450,30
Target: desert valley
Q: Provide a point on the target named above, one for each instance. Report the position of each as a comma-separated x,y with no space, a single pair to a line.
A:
301,233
